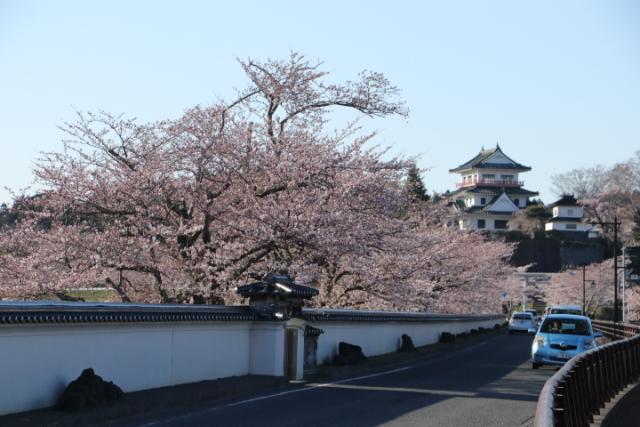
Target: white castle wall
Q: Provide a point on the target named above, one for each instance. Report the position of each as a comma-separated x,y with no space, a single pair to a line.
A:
41,356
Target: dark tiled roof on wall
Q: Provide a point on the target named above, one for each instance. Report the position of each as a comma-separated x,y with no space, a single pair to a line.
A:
54,312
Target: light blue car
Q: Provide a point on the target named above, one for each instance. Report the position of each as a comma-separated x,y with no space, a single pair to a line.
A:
560,337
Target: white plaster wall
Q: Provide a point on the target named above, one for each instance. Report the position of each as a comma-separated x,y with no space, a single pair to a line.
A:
477,174
476,199
499,173
38,361
384,337
266,351
562,226
472,221
563,211
579,226
504,204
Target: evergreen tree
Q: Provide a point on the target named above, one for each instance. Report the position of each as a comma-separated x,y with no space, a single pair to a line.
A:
538,213
414,187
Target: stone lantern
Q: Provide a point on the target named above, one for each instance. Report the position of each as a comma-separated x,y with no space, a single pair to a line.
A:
276,296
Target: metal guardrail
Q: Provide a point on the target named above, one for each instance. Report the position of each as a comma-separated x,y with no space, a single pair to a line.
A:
616,330
585,383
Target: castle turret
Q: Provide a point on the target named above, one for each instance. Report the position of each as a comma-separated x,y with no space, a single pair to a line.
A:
489,192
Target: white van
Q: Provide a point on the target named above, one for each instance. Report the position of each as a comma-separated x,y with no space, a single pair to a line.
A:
564,309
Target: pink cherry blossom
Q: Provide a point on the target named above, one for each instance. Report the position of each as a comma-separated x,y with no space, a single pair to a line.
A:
184,210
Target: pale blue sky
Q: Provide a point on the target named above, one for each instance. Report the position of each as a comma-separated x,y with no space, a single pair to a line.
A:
556,82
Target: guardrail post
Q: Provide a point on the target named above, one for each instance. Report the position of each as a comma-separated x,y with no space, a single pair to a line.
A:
592,385
560,411
583,388
627,374
635,360
619,367
609,372
571,402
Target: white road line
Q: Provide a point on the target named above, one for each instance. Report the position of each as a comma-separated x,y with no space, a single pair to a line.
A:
314,386
270,396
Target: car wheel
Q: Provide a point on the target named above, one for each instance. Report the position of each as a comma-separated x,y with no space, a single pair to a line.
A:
535,365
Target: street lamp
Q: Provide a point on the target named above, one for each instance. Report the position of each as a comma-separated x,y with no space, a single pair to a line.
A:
584,289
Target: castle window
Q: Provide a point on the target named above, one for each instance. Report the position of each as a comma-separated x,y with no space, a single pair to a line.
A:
571,226
483,200
500,224
481,223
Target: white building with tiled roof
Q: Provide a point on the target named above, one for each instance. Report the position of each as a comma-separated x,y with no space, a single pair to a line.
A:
567,216
489,192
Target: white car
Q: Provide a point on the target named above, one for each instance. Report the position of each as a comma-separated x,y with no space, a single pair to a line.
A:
536,317
521,321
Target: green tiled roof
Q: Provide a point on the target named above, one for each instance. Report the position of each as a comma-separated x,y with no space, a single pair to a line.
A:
479,161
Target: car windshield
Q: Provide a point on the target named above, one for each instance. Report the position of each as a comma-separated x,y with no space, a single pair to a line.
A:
522,316
565,326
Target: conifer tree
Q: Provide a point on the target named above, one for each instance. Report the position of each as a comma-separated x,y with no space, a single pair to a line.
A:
414,187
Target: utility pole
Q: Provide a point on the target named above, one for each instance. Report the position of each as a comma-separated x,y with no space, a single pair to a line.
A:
624,275
584,291
616,319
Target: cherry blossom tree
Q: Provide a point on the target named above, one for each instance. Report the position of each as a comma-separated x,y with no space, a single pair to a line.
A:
422,265
632,301
184,210
583,183
605,192
566,287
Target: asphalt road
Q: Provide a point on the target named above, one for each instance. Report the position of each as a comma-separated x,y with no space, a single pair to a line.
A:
489,383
